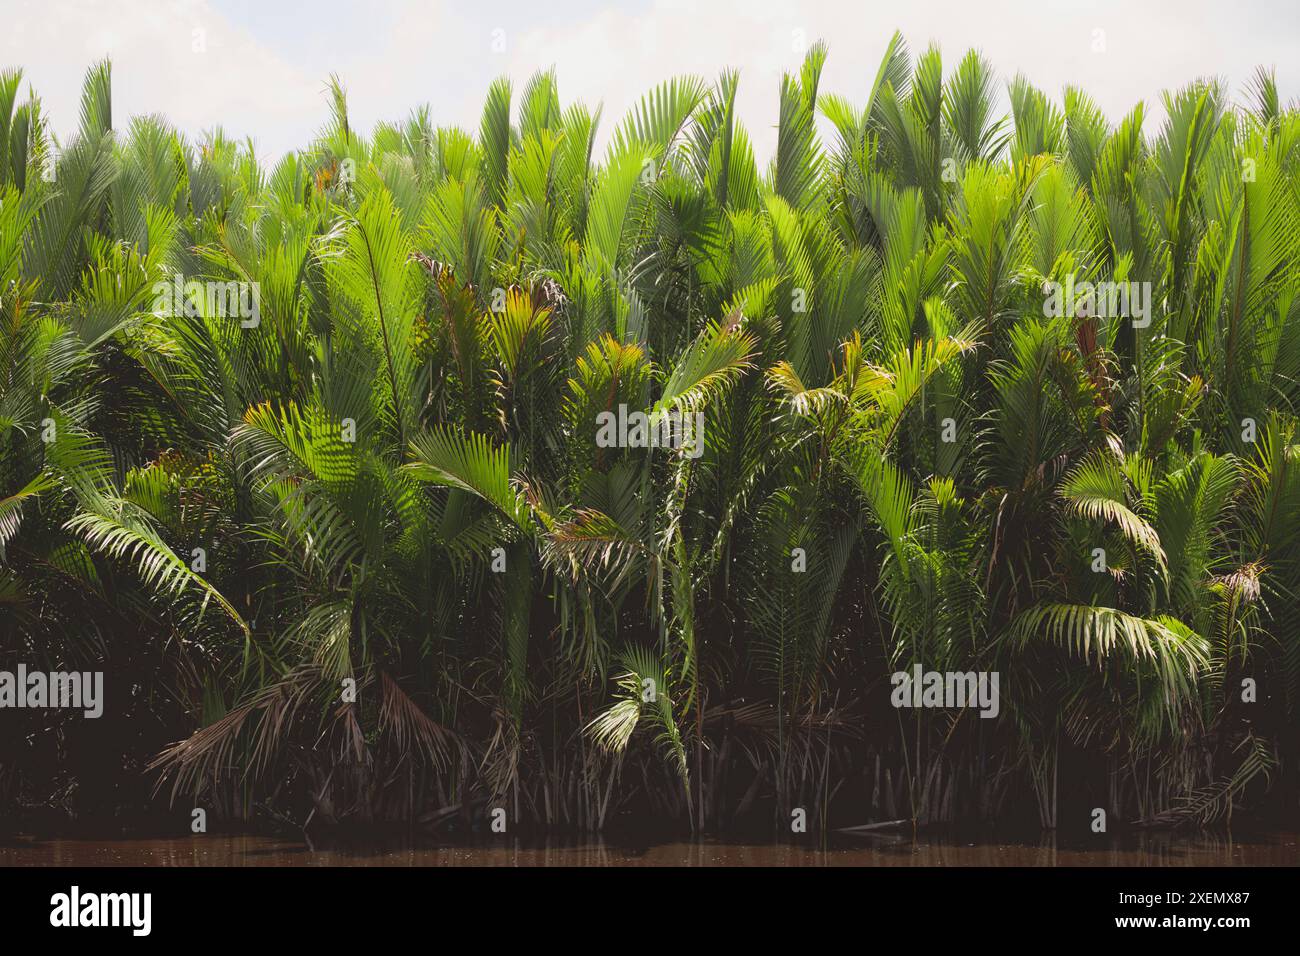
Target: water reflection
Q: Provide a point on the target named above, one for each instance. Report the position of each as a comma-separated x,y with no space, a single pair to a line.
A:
1154,849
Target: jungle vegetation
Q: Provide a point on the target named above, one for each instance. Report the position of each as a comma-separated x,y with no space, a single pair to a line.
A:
363,561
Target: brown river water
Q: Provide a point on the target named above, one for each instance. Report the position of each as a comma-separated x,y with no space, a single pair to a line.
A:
1276,849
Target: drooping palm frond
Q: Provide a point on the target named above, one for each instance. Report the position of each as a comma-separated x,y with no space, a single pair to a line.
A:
470,463
1099,634
1097,489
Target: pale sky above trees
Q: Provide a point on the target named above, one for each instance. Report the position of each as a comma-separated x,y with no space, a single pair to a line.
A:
262,68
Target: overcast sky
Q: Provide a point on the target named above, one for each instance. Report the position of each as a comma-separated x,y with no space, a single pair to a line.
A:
262,68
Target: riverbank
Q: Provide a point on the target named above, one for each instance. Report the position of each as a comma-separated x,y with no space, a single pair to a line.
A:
1165,850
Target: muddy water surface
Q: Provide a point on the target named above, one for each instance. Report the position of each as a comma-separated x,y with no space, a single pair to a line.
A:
1277,849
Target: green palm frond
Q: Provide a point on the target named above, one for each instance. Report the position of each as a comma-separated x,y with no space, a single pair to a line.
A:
1097,490
1102,634
469,462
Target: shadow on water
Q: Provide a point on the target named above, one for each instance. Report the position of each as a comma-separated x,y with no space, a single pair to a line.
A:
1143,849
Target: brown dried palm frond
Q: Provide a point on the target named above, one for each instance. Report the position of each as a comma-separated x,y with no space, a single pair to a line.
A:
412,729
499,766
262,722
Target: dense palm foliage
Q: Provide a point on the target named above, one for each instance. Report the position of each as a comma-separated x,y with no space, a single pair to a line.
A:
364,559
